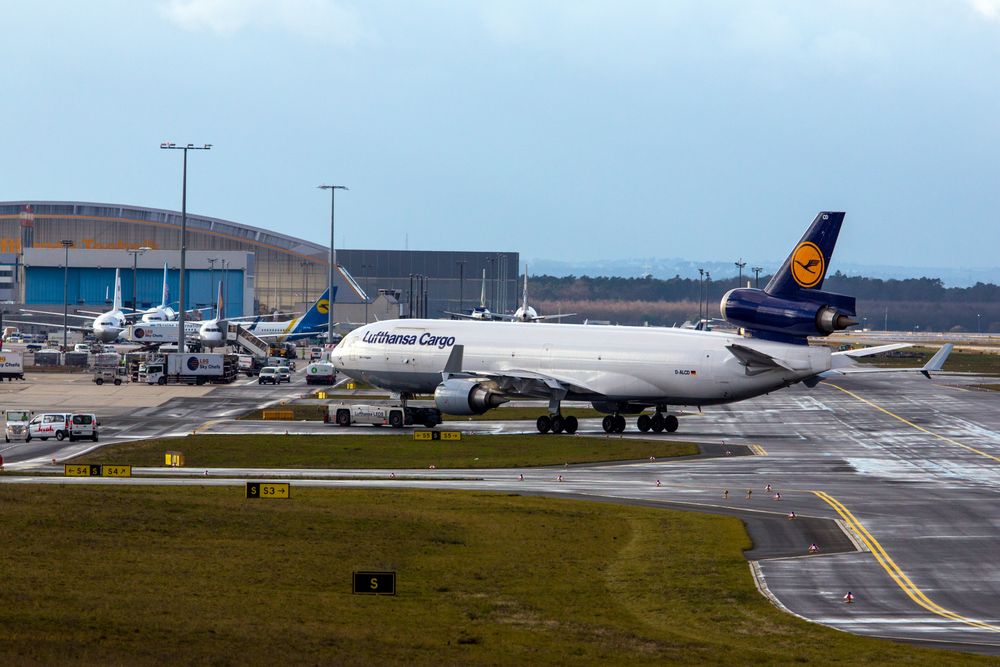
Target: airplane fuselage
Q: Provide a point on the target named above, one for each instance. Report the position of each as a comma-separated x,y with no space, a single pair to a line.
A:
642,365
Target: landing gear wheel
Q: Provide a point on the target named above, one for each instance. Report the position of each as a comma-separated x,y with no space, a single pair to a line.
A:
619,424
643,423
608,424
557,424
543,424
570,424
656,423
671,423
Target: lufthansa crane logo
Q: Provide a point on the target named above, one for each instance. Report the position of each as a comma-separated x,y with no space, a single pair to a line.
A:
808,266
323,306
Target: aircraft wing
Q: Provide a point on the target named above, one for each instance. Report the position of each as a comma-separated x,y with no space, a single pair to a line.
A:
464,316
552,317
54,314
516,381
49,326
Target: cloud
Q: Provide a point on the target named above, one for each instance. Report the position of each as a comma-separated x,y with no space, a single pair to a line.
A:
314,19
987,8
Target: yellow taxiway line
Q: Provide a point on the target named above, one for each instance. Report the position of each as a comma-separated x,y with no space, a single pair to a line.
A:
894,570
919,428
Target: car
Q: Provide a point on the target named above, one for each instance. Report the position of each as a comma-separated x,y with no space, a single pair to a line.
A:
81,347
49,425
268,375
315,353
284,374
83,425
33,347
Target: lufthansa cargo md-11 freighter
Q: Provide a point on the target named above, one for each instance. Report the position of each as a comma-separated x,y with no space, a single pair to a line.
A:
471,367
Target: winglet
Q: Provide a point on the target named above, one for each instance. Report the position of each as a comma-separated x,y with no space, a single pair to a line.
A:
454,363
937,361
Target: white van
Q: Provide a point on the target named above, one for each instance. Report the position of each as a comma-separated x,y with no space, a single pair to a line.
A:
83,425
48,425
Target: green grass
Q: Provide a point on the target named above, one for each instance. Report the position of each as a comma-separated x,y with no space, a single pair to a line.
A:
385,451
124,575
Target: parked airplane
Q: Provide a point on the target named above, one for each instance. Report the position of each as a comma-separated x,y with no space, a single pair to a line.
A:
480,312
313,322
162,312
106,326
526,313
622,370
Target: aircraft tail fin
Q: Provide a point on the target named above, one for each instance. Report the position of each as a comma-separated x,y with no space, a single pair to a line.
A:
482,295
165,297
318,314
805,268
116,304
220,307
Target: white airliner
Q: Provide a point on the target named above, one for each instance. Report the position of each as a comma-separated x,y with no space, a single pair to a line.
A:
106,326
480,312
526,313
471,368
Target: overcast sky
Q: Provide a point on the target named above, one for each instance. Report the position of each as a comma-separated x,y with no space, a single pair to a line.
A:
583,130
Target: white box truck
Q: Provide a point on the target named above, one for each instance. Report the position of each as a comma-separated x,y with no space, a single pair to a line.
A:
187,368
11,365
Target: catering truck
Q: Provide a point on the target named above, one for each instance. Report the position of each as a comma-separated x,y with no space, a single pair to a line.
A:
187,368
11,365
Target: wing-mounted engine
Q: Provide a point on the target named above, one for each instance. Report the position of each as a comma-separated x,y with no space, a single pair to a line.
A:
467,396
807,313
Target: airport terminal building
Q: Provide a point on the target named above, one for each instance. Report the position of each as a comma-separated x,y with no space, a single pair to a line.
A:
262,271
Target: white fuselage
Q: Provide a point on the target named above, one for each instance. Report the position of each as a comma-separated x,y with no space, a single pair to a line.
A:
646,365
108,327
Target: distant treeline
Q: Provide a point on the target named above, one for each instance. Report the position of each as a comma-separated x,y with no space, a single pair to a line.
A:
914,303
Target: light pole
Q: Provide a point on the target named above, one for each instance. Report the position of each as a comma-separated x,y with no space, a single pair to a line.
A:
182,309
67,245
135,259
740,264
333,252
708,286
979,323
225,291
461,284
756,276
211,277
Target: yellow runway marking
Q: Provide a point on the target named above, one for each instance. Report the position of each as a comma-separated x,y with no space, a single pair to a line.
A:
758,450
894,570
919,428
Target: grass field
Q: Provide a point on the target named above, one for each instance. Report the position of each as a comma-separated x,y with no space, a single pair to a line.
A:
102,575
385,451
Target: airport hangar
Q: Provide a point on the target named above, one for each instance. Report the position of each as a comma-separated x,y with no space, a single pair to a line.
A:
262,271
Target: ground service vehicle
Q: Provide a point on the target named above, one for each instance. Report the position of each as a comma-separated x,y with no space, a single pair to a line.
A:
16,425
83,425
48,425
107,368
315,353
321,373
395,415
187,368
11,365
284,374
271,375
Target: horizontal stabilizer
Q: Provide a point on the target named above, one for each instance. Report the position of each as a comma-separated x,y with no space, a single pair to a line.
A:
936,362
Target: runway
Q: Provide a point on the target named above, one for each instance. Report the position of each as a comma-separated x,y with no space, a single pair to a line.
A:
911,469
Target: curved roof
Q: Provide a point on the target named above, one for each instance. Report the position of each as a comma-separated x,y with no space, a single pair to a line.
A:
138,214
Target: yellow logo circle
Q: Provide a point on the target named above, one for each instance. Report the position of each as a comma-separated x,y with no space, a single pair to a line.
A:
323,306
808,265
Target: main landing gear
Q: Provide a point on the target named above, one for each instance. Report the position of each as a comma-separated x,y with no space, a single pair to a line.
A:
557,424
657,423
554,421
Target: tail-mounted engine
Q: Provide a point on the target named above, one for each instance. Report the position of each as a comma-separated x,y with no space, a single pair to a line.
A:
458,396
807,313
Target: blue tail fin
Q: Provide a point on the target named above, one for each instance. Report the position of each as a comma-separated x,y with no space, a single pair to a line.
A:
318,316
806,267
